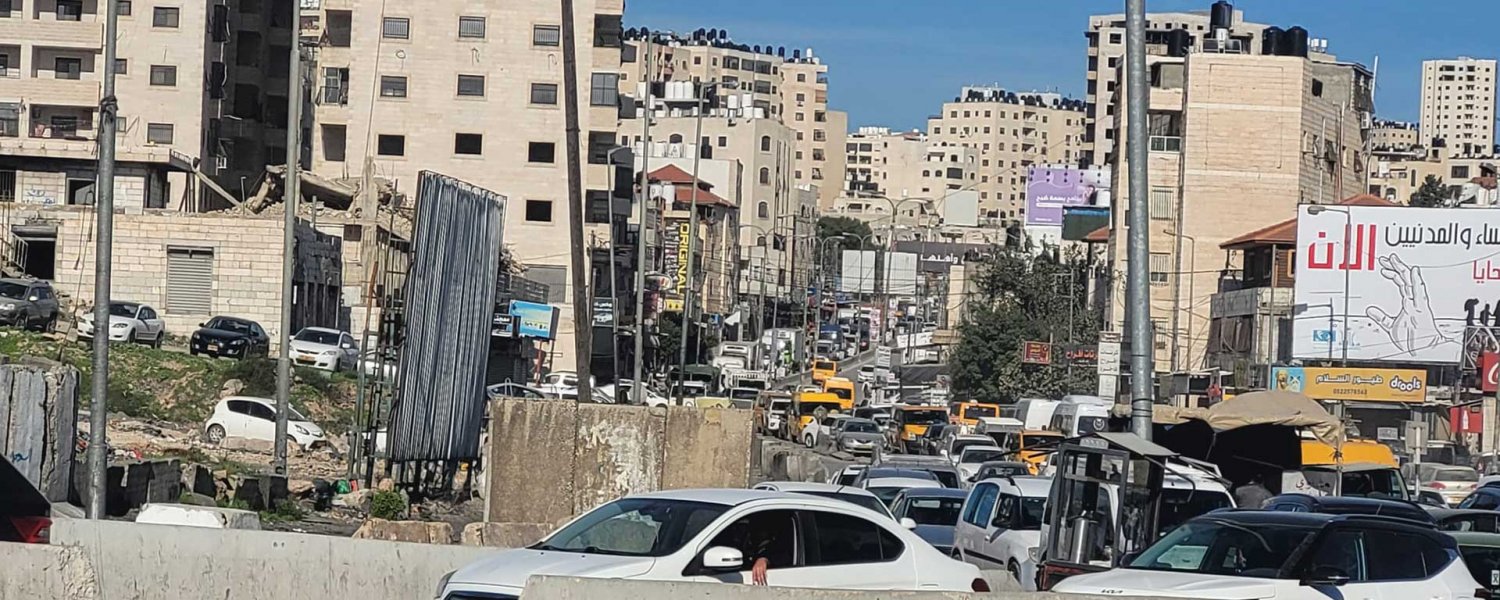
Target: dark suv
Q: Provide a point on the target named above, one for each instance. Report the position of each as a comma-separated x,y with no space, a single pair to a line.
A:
28,303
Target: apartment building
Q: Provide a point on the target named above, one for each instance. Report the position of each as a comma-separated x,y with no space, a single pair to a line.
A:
905,174
198,87
1106,56
1458,104
787,85
474,90
1395,138
1008,131
1237,141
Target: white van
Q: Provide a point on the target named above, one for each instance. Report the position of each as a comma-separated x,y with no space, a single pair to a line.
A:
1035,413
1073,419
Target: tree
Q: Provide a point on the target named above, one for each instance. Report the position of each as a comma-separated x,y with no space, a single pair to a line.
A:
848,228
1022,297
1432,193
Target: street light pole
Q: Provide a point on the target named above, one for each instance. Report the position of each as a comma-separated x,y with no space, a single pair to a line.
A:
637,387
692,241
1138,247
292,197
98,459
1338,451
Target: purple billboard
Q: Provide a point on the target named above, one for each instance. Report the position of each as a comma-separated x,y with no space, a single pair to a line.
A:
1049,188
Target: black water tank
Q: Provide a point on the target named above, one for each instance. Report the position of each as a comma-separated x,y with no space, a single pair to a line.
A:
1296,38
1270,40
1178,41
1221,16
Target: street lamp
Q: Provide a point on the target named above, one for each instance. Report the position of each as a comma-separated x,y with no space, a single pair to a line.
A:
1177,295
760,316
1338,450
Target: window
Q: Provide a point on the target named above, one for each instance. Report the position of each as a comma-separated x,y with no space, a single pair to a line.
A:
471,27
1161,267
981,505
597,202
539,211
8,186
1114,38
163,75
765,176
546,35
837,539
554,277
122,8
190,280
600,143
1458,171
768,534
471,85
395,28
1317,88
390,145
723,141
392,86
10,120
541,152
69,68
335,139
122,66
763,211
1161,203
69,10
544,93
607,30
604,89
1166,131
159,133
165,16
765,144
468,143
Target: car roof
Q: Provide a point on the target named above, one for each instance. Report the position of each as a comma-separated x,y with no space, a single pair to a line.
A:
1476,538
321,329
813,486
901,482
885,471
1271,517
1359,505
265,401
935,492
1453,513
1031,486
725,496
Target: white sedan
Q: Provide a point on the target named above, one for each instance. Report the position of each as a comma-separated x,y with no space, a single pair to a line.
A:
255,418
717,536
128,322
326,349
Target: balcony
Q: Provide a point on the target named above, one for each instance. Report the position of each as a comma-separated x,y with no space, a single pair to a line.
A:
66,92
79,35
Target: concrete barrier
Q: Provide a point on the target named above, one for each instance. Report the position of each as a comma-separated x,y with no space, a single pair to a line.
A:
569,588
133,561
34,571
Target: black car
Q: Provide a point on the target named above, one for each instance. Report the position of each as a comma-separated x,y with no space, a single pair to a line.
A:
1349,505
1464,519
230,336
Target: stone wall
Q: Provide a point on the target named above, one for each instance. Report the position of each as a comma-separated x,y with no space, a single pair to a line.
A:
38,424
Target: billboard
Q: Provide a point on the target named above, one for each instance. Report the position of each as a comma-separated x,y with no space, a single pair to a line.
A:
675,255
534,320
857,271
1414,278
1354,384
1049,188
901,273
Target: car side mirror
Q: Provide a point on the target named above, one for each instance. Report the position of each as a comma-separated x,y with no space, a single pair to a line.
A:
723,558
32,298
1129,557
203,324
908,523
1329,576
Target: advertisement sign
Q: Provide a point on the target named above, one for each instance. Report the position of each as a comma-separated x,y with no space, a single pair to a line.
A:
604,312
1049,188
1036,353
857,271
1354,384
900,273
1109,364
675,255
1489,372
937,257
502,325
1416,277
534,320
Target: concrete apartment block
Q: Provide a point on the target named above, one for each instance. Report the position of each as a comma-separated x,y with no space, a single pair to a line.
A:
1458,105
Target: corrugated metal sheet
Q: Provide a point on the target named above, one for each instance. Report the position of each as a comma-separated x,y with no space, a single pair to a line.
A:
190,280
450,296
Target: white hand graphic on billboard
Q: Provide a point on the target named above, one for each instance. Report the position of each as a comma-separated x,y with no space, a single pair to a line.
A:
1414,327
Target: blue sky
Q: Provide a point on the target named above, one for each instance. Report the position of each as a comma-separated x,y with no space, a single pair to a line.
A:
893,62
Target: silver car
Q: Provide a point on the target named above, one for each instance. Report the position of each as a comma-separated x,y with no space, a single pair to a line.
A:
859,436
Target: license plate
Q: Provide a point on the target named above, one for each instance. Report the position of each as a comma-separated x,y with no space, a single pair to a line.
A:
213,347
305,361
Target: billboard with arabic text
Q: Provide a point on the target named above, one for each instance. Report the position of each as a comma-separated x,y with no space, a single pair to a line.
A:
1357,385
1393,283
1051,188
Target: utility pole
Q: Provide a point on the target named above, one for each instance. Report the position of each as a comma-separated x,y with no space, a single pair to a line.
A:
638,387
692,241
291,194
1138,246
103,254
583,326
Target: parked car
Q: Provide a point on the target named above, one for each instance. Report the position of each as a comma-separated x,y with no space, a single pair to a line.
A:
649,396
858,436
128,322
1450,482
28,303
1245,555
326,349
560,384
230,336
1348,505
852,495
717,536
255,418
1000,526
931,513
513,390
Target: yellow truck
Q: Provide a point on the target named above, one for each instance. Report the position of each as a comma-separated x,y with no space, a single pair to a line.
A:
822,369
910,422
839,386
807,407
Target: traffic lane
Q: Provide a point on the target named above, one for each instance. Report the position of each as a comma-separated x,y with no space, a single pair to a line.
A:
848,368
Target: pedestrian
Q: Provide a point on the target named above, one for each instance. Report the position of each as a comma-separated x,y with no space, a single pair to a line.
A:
1252,495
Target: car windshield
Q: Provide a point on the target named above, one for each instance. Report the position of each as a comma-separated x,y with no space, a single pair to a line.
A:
934,511
924,417
886,494
635,527
979,455
1087,425
822,365
231,325
869,502
1032,509
842,393
861,427
975,411
327,338
1444,473
743,393
1220,547
1483,562
1373,483
11,289
1178,505
123,309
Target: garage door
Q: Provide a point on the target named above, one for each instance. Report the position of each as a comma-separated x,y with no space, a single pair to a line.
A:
190,280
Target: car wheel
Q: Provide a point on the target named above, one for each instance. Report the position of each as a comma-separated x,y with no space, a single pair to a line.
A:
215,434
156,343
51,325
1015,572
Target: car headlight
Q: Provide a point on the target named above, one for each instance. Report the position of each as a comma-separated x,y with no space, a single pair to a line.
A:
8,306
443,584
1035,553
238,342
300,429
330,353
118,325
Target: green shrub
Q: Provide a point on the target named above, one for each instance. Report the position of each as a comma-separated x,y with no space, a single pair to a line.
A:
388,505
